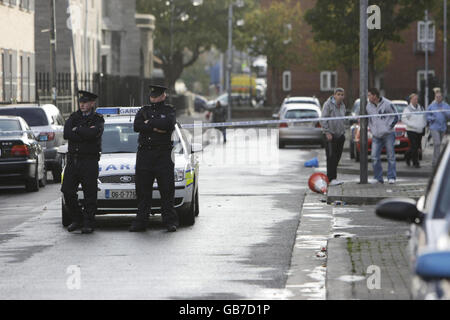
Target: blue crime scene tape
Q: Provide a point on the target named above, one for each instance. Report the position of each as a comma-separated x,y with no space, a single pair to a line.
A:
133,110
274,122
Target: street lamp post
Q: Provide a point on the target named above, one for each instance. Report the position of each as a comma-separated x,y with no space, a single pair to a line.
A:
427,34
363,89
53,52
445,50
239,3
230,58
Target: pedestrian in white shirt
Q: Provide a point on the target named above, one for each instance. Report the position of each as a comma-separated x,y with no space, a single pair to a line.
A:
415,127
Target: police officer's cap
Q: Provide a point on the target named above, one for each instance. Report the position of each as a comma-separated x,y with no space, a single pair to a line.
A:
86,96
156,91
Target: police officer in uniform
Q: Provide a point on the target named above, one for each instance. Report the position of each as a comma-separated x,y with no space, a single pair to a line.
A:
83,130
155,124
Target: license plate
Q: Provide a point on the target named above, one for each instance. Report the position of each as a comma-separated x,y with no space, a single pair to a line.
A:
120,194
397,142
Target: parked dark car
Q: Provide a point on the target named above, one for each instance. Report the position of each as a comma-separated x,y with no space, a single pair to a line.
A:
47,124
430,232
22,160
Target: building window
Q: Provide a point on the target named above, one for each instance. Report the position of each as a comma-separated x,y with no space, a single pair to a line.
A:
421,78
422,35
328,80
287,81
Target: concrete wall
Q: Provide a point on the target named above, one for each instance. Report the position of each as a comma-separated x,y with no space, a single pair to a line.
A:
17,67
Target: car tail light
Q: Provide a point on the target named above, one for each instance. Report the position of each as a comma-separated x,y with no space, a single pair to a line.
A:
20,151
46,136
283,125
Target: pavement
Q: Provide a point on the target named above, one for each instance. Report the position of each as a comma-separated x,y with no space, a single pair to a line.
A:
350,166
357,194
239,248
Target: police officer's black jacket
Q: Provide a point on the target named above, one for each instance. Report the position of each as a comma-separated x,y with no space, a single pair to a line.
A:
84,140
160,116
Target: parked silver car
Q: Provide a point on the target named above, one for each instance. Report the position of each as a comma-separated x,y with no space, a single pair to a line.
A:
47,124
302,132
430,233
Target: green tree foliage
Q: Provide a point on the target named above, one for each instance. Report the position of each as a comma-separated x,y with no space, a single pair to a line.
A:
275,32
184,31
335,25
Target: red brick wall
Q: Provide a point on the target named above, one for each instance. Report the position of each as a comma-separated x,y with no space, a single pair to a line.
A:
400,76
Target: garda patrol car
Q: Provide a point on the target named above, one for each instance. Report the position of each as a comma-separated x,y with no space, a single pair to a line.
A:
116,182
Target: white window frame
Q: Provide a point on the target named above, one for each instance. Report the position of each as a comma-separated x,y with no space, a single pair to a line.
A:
421,73
287,81
327,86
421,25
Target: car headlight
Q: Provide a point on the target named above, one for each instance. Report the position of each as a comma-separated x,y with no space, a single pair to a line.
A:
179,175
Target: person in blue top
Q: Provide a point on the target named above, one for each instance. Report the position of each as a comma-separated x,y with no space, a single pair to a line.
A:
438,123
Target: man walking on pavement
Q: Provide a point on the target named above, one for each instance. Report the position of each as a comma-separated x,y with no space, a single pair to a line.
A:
155,124
438,122
383,133
415,127
334,131
83,130
219,116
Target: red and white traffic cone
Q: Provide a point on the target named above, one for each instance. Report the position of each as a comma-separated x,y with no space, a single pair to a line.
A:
319,183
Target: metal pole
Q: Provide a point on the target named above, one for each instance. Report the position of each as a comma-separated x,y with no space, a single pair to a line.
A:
75,78
427,90
363,89
172,13
230,59
53,52
445,50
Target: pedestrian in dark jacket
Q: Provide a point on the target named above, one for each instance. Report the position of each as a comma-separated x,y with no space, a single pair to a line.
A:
334,131
220,116
83,130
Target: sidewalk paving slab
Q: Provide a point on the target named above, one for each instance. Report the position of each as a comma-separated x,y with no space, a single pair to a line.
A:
357,194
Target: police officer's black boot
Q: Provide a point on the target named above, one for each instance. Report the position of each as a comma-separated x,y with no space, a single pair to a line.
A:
139,224
75,226
88,224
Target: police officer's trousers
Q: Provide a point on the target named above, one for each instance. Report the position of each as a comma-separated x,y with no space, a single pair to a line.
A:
150,165
84,171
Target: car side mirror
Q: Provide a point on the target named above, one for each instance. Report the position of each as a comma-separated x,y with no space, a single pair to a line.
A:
197,147
404,210
434,266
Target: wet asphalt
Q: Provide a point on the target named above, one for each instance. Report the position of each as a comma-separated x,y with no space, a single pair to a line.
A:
240,247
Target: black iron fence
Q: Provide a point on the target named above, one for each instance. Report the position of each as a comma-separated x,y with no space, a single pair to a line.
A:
112,90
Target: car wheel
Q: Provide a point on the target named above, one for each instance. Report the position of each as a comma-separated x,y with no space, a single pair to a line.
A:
352,150
66,219
56,173
32,185
187,217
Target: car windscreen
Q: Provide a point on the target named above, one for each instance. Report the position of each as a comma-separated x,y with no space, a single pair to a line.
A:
301,114
35,117
400,108
120,138
443,204
9,125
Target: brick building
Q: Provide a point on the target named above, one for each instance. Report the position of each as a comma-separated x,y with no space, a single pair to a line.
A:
403,75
